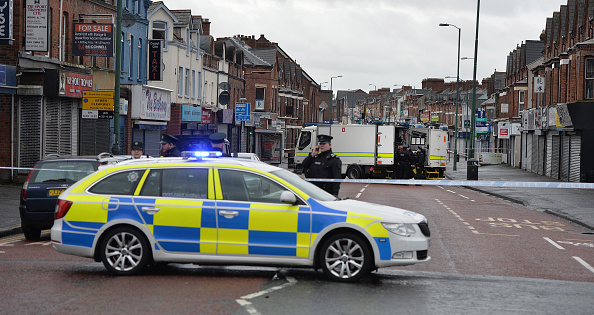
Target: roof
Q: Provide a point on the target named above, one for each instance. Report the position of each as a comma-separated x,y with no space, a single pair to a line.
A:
249,58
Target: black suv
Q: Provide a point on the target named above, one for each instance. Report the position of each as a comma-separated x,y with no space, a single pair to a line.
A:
48,179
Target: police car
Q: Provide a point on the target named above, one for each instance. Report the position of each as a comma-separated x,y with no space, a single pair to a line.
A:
229,211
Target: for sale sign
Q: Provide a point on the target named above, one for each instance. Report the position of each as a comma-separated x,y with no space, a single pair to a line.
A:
93,39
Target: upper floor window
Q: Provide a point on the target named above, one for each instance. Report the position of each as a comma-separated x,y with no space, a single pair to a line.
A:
589,79
180,81
160,32
140,52
521,101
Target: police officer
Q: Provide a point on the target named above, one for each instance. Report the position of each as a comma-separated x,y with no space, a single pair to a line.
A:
169,146
217,142
420,163
137,150
322,163
401,160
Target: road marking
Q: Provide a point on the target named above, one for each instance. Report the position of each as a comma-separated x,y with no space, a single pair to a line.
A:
39,243
358,195
585,264
243,301
553,243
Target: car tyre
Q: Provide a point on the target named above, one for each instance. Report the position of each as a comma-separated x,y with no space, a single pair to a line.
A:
31,234
125,251
355,172
345,257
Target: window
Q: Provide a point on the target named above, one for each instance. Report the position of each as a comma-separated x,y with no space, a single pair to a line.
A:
244,186
123,183
260,96
160,32
589,79
194,84
199,85
521,102
177,183
140,53
61,171
187,93
180,79
122,60
131,64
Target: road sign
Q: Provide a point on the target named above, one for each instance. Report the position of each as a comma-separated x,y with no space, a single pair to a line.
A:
242,111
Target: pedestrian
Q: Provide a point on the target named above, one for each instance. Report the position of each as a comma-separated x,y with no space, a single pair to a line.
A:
322,163
410,158
169,146
420,163
217,142
137,150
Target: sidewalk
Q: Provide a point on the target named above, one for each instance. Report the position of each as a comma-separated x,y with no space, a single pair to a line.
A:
574,205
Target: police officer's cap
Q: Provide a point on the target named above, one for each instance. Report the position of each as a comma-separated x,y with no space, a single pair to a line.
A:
218,137
168,139
324,138
137,145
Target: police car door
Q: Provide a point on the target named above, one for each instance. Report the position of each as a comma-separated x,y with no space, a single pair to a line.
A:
178,207
253,221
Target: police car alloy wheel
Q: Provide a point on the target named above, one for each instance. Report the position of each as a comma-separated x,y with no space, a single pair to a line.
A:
345,257
124,251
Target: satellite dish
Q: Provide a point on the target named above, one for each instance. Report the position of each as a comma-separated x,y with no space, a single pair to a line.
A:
224,86
224,98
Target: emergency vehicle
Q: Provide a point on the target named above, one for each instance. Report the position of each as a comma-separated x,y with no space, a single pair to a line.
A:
369,150
229,211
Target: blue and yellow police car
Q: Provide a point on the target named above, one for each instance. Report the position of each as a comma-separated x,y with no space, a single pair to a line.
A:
209,210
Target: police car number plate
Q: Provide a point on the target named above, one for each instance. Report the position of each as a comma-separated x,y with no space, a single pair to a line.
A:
55,192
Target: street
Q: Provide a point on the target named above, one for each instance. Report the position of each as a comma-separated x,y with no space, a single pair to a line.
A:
489,255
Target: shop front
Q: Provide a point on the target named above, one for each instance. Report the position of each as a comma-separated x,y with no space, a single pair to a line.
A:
150,111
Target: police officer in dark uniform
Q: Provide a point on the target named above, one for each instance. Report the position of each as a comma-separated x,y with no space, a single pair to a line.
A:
401,160
322,163
217,142
169,146
420,163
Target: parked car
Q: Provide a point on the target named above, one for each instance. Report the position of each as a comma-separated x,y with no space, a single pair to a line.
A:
229,211
48,179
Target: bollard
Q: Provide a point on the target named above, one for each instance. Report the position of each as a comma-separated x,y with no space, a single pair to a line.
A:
472,169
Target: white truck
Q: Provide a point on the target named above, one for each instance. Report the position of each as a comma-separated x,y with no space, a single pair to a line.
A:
369,150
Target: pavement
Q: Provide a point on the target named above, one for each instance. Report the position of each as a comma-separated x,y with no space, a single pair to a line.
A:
573,205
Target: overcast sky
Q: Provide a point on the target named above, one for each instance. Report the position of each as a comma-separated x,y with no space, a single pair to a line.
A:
381,42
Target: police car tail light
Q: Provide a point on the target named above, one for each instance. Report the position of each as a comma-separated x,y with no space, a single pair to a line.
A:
62,208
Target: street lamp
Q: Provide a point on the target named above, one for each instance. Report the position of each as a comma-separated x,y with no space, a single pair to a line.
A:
332,100
472,115
374,86
457,96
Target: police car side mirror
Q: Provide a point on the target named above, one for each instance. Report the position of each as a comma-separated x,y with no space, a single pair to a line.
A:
288,197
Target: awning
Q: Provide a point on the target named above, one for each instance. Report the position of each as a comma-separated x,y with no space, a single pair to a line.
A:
150,124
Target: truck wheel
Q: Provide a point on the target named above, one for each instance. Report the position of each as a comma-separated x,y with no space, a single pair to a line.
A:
125,251
355,172
345,257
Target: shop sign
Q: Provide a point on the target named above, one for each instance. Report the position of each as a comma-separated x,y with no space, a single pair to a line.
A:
155,104
6,20
191,113
207,116
425,117
36,21
155,60
74,84
504,130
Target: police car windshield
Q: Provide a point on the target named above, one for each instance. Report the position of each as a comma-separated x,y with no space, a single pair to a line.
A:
310,189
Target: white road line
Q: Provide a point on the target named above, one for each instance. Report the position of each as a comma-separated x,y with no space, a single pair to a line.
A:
243,301
358,195
553,243
585,264
362,190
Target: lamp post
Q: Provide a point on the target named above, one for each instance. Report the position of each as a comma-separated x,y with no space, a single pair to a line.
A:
457,96
374,86
332,100
472,115
115,149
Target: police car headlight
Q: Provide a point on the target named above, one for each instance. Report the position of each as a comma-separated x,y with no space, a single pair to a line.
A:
402,229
